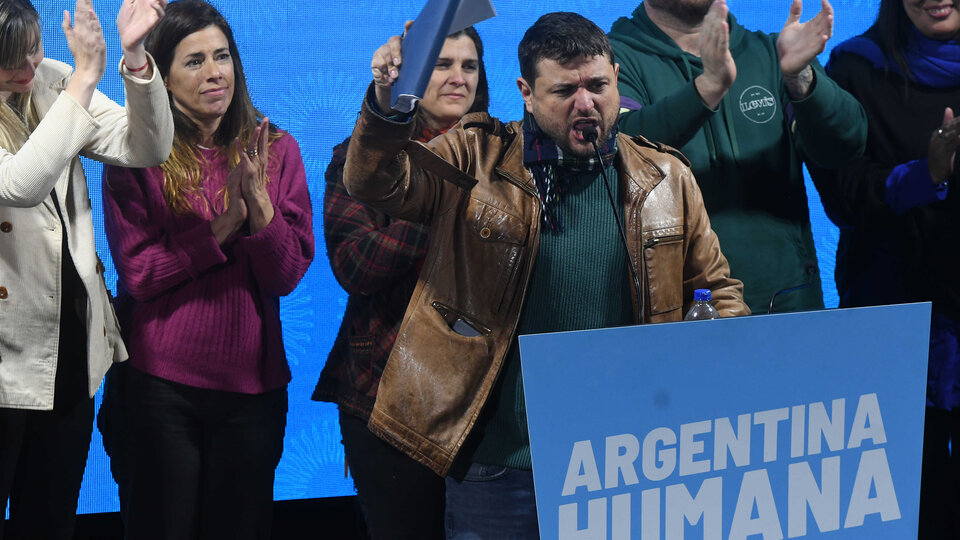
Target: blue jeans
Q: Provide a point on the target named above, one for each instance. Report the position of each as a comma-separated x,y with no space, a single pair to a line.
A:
492,503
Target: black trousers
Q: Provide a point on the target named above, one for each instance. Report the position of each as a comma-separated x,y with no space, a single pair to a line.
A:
940,476
43,453
399,497
42,458
193,463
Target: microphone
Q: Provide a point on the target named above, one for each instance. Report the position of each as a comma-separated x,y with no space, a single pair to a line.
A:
810,269
590,135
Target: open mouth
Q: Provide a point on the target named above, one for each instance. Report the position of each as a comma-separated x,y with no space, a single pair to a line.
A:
580,125
940,11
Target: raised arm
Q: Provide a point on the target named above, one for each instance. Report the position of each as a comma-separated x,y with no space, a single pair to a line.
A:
378,170
282,250
831,127
141,133
676,118
28,173
885,181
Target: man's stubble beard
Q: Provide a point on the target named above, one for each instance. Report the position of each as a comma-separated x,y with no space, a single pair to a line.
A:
690,12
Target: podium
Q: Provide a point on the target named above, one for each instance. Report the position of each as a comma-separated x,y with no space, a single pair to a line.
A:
799,425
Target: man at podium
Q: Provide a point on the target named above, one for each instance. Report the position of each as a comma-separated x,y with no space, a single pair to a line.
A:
526,237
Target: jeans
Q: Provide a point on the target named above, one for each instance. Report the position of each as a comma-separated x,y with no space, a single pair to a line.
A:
492,503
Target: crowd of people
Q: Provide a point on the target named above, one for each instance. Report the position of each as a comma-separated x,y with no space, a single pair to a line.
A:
452,233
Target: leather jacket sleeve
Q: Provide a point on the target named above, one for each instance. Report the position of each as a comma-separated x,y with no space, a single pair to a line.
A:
705,266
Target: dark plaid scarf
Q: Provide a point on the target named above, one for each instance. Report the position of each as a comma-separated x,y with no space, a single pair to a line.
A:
551,168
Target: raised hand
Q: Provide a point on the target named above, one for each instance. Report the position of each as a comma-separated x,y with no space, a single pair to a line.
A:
386,68
85,39
943,148
719,68
799,43
254,160
134,21
235,215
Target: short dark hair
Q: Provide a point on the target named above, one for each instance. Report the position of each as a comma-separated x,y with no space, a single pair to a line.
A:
561,36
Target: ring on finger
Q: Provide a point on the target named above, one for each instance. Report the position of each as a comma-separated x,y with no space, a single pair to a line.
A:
942,134
253,153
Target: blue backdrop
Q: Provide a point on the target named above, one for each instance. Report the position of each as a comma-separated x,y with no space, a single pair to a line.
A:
307,65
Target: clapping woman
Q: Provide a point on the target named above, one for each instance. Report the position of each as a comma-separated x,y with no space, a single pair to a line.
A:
205,245
899,211
58,334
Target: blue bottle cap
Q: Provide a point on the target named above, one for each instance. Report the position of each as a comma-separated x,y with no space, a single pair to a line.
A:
701,295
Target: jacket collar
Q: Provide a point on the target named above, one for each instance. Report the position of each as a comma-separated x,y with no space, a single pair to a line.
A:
635,170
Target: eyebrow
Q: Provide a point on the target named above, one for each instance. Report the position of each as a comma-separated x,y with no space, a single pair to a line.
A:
200,54
591,80
449,59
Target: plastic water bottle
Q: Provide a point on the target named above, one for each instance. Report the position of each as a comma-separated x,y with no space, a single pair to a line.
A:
701,310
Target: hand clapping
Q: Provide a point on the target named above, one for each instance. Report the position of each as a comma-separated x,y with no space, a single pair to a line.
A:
253,176
799,43
135,20
85,39
943,148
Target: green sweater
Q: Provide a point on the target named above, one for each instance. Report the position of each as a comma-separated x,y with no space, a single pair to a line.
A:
580,281
747,155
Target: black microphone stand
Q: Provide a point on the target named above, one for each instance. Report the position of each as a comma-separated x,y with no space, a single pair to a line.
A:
590,135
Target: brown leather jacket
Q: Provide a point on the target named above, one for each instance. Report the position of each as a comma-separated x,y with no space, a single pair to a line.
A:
483,242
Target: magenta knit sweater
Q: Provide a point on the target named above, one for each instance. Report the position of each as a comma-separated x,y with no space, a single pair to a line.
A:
195,312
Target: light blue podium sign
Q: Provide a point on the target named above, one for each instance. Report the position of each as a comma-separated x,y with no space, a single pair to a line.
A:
803,425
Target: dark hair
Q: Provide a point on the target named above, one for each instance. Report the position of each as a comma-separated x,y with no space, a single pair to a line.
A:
19,32
181,19
481,101
561,36
481,97
892,31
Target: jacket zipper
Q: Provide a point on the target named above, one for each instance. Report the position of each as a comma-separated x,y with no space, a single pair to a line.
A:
657,240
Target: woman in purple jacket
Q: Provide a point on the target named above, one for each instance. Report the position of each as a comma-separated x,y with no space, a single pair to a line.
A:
205,245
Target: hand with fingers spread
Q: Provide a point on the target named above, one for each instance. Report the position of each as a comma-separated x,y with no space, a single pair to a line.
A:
719,68
134,21
942,151
386,68
85,39
799,43
255,158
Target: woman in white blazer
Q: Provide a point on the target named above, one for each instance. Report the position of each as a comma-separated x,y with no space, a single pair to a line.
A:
58,333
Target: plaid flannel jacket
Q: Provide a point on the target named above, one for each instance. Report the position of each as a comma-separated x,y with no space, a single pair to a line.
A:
377,260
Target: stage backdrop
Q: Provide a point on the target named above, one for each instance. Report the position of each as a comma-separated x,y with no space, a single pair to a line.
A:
307,65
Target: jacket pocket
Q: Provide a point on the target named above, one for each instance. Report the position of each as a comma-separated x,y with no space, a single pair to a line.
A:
497,240
360,367
663,262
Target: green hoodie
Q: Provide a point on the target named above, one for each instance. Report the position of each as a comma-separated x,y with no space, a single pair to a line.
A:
746,155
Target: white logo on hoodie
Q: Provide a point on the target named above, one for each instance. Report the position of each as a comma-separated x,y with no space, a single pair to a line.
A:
758,104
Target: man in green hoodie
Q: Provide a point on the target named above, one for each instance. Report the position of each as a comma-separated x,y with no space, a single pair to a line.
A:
747,109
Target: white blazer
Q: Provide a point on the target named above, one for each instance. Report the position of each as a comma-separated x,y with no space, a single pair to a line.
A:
139,135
